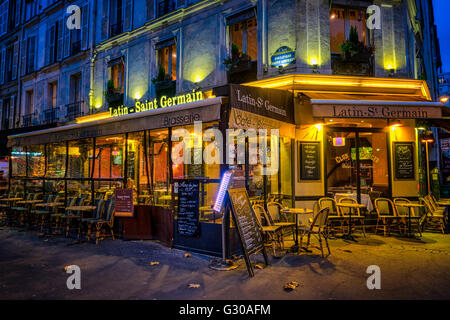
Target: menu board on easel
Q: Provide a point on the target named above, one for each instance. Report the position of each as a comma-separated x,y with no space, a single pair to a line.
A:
123,202
188,207
248,229
404,161
309,153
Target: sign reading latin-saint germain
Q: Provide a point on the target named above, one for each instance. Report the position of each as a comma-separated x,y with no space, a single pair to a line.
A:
376,111
272,103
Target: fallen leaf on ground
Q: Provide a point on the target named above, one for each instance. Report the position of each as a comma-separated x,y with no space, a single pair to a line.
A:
194,285
259,266
152,263
187,255
45,240
66,268
291,285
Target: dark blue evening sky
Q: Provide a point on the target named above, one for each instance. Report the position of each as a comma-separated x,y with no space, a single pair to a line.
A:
441,16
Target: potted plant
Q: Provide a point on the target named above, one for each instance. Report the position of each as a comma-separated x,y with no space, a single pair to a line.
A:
238,61
164,85
112,95
353,49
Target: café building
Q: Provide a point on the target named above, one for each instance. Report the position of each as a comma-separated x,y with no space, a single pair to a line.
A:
335,135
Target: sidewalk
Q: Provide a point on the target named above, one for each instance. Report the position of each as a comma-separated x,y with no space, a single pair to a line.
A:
32,267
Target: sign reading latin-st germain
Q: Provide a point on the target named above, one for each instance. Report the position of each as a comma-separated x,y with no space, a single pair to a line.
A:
376,111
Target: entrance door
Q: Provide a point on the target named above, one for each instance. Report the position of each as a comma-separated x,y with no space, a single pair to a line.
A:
357,174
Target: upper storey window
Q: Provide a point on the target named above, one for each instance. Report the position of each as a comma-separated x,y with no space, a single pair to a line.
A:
341,21
243,33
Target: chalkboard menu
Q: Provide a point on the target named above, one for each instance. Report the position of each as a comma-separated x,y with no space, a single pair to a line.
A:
309,163
245,221
404,161
188,207
123,202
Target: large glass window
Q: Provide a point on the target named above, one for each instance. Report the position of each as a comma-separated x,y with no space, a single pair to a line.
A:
158,151
56,160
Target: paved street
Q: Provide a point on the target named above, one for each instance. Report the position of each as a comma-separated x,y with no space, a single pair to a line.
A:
32,267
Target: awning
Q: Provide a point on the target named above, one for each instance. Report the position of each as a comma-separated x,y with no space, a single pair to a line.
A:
377,109
184,114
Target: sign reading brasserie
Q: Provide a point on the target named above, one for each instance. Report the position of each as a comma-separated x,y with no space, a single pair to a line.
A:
271,103
163,102
376,111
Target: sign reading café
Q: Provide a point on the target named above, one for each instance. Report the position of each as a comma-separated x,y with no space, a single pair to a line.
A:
376,111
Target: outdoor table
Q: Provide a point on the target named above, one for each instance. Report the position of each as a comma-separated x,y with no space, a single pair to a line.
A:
365,199
50,204
444,202
297,212
411,207
352,206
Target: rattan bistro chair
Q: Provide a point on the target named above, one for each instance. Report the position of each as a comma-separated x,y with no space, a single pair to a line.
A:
317,228
106,221
334,215
438,209
100,204
403,213
278,218
387,215
356,216
434,218
272,234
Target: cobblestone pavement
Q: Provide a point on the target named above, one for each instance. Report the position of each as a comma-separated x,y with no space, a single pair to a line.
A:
32,267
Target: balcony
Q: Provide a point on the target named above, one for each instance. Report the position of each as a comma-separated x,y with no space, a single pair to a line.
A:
50,116
115,29
244,71
74,110
359,65
29,120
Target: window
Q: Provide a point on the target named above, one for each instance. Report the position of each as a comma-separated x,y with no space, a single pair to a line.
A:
52,43
243,33
341,20
116,75
9,59
3,17
29,54
30,9
165,6
167,57
29,102
51,103
150,9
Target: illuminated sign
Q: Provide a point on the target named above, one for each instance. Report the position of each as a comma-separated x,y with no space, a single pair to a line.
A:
163,102
224,184
338,142
283,57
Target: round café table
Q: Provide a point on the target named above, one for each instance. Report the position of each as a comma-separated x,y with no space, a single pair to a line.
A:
411,207
351,206
297,212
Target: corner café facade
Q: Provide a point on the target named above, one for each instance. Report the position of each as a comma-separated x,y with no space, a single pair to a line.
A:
322,121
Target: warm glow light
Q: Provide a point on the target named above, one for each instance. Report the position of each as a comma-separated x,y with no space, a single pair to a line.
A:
313,61
93,117
98,106
137,96
333,16
444,99
318,126
198,78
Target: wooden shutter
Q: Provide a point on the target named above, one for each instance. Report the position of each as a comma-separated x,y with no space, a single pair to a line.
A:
150,9
84,27
15,60
105,20
32,54
127,14
23,56
59,41
2,65
66,38
17,17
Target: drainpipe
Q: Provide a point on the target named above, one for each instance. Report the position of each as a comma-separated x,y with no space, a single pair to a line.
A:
92,55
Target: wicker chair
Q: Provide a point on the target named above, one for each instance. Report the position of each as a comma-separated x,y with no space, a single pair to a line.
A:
278,218
106,221
100,204
318,228
387,215
334,215
356,216
403,214
434,217
272,234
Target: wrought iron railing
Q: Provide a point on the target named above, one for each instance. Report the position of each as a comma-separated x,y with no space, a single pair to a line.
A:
75,47
27,120
115,29
74,110
50,116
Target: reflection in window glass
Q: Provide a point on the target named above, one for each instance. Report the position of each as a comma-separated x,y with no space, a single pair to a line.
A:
18,161
158,151
36,160
109,157
56,160
80,158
